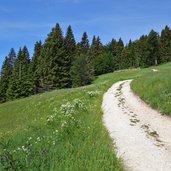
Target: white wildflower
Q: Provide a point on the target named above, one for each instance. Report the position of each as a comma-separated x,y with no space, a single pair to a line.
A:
93,93
67,108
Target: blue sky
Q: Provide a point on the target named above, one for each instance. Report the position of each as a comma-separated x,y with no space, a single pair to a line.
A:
22,22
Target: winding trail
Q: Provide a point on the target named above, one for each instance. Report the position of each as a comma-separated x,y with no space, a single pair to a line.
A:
141,135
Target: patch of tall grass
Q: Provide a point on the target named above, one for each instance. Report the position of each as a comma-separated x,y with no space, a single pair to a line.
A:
155,88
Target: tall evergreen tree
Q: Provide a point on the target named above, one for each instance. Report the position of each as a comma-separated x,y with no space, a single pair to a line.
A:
165,41
12,58
96,48
3,80
84,44
81,71
153,49
143,51
55,64
6,74
70,52
20,84
21,64
116,48
119,49
132,56
35,67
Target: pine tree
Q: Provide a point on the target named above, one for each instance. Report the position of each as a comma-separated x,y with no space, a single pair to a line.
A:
55,72
96,48
6,74
165,41
153,49
12,58
116,48
84,44
131,56
119,49
20,84
35,67
142,49
21,64
3,80
70,52
81,71
112,47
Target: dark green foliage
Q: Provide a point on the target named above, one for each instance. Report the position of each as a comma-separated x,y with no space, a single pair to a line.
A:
81,71
103,64
84,44
165,42
6,74
56,61
142,50
20,83
21,64
96,48
70,51
130,57
4,82
119,49
116,48
60,62
153,49
35,67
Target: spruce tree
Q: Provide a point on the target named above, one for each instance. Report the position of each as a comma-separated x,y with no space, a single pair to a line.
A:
119,49
132,56
84,44
81,71
35,67
55,72
143,51
96,48
116,48
70,52
153,49
165,41
20,84
6,74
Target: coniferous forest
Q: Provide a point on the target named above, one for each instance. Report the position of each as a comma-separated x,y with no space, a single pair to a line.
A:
61,62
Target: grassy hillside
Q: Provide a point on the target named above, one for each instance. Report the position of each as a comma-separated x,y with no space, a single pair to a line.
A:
62,129
155,88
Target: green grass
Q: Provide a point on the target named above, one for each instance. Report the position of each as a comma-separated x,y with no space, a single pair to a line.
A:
61,129
155,88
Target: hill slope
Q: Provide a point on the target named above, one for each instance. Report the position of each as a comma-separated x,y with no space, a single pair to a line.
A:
61,129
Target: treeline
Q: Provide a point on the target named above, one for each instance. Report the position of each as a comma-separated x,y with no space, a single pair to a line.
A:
60,62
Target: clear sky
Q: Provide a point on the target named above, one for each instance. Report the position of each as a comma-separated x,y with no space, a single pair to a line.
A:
22,22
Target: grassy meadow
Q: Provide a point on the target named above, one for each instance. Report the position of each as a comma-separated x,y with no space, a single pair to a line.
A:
63,130
155,88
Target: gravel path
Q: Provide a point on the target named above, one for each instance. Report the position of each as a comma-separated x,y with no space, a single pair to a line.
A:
141,135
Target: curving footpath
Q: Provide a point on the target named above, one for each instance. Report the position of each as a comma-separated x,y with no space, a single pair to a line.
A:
141,135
